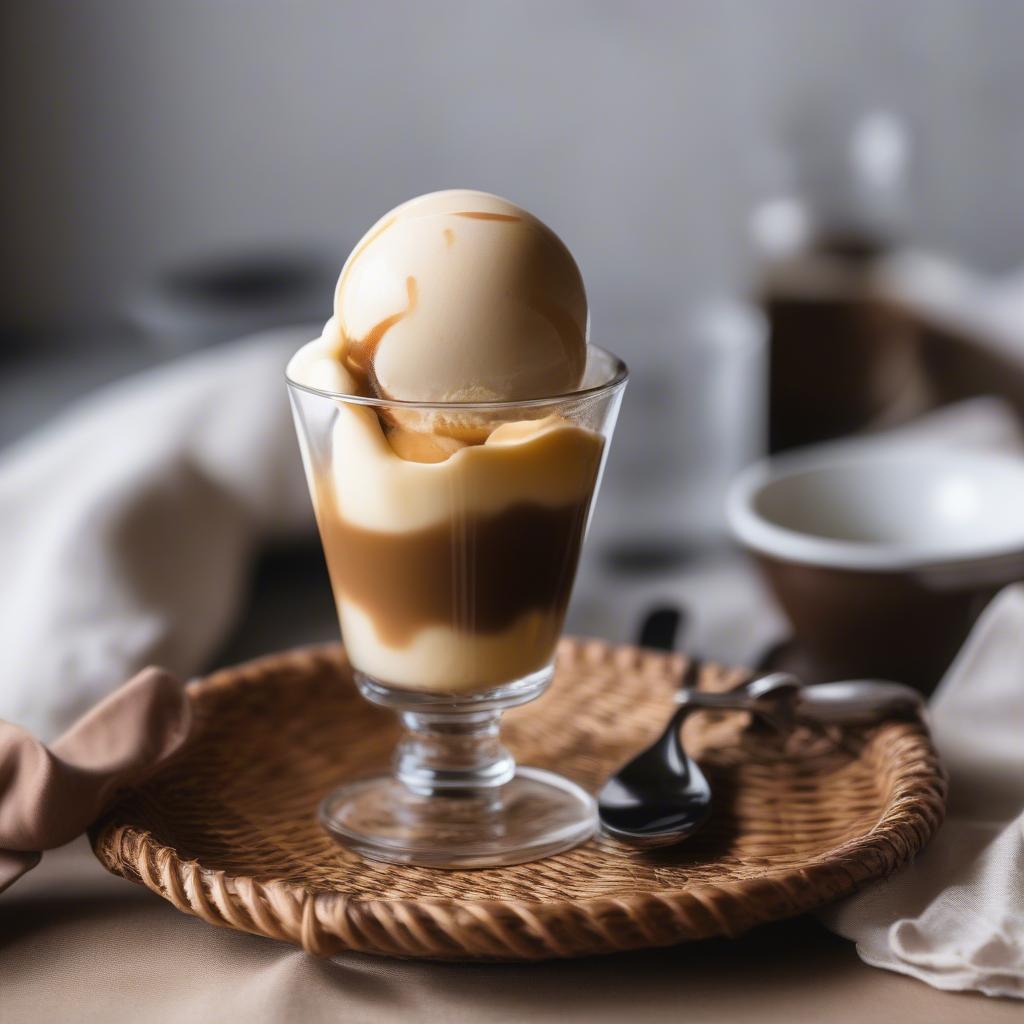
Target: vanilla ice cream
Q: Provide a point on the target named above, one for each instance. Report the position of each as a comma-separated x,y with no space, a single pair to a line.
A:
452,534
460,296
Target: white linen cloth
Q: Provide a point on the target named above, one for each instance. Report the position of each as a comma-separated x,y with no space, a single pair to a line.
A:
128,525
955,919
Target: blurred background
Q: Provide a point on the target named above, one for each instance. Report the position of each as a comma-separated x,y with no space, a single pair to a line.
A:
737,179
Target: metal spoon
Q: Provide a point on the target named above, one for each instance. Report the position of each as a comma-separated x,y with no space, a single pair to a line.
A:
662,796
782,701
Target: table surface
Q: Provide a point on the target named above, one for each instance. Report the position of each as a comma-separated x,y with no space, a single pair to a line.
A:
78,944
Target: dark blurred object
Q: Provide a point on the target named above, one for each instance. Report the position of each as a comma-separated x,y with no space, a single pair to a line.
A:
838,361
222,298
661,627
970,328
884,338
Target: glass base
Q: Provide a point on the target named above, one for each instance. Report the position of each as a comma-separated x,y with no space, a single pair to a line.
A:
535,814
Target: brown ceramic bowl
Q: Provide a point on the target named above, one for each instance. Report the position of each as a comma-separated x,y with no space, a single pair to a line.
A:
882,562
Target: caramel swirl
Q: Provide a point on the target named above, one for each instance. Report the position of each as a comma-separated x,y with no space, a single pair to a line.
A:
485,215
475,573
359,352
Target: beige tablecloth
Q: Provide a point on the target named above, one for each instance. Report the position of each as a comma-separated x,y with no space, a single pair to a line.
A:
79,945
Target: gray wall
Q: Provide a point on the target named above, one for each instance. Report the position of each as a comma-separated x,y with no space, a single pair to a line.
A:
146,131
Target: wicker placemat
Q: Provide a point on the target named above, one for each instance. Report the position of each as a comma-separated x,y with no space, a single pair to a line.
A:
228,831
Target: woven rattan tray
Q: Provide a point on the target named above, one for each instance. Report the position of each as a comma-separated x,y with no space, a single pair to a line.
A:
228,831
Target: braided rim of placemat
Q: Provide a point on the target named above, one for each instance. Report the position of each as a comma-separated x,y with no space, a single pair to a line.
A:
326,922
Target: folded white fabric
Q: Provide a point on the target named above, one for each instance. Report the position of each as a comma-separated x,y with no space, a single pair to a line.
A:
955,918
128,524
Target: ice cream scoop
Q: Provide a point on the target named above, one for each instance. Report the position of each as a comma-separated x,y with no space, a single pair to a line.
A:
460,296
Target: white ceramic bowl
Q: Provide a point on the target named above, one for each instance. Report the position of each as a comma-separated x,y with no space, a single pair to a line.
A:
892,511
883,560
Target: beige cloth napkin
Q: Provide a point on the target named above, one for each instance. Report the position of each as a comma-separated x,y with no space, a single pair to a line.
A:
128,525
955,918
49,795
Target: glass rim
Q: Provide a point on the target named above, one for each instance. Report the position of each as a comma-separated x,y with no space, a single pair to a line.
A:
619,375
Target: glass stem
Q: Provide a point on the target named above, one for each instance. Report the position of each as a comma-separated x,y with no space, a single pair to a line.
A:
452,754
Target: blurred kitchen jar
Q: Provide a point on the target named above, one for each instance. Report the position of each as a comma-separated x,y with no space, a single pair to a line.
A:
696,415
839,358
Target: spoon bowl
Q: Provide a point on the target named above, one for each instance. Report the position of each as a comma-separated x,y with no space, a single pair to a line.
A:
661,796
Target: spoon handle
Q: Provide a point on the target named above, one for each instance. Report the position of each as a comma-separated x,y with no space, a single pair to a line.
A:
857,702
777,699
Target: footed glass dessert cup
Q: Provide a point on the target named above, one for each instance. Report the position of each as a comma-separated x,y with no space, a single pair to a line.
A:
451,533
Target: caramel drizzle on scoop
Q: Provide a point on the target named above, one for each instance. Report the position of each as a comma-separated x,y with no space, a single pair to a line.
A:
359,352
484,215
